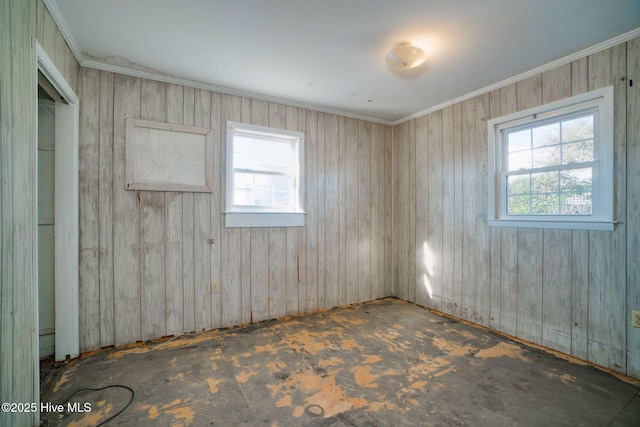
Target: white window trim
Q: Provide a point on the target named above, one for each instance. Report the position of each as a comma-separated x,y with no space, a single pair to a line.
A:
602,216
245,216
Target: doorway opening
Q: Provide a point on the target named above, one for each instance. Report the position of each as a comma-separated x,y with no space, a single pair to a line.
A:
57,189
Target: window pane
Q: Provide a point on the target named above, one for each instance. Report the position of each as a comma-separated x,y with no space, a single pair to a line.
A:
544,182
544,204
546,156
254,189
520,140
575,203
577,152
262,155
518,205
576,180
519,160
578,129
518,184
575,188
546,135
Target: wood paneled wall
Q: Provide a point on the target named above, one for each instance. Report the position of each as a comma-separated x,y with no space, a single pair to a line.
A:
20,22
146,264
18,287
571,291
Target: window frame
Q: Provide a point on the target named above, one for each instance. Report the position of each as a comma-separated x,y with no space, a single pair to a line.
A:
259,216
602,102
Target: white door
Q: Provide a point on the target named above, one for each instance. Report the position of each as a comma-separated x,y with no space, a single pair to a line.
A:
46,221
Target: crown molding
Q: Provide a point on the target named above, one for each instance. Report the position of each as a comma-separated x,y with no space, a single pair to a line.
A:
88,63
551,65
52,7
225,90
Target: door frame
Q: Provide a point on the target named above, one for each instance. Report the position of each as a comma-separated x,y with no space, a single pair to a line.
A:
66,211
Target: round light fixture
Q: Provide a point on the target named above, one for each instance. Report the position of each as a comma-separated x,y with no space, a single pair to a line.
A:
406,56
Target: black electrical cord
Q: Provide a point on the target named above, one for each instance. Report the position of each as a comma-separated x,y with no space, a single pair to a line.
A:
104,388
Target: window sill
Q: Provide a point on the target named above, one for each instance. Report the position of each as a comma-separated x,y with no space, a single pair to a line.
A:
562,225
264,219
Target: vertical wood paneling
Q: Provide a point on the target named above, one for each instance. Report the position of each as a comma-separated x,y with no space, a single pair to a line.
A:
105,221
633,204
607,257
260,262
188,243
580,248
40,12
433,256
342,259
202,230
448,212
482,255
402,234
309,290
390,211
508,245
89,282
332,214
376,188
556,290
364,208
529,94
569,290
458,290
216,208
126,225
277,240
296,261
374,195
423,261
557,247
18,217
173,232
411,210
495,245
321,209
468,211
8,390
49,41
152,245
231,285
351,205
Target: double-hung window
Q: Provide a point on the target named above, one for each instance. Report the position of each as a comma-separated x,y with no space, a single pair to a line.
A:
264,177
552,166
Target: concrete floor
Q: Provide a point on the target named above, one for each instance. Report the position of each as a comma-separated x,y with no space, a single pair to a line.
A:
383,363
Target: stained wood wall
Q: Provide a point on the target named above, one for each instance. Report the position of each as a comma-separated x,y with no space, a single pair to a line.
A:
20,22
572,291
146,264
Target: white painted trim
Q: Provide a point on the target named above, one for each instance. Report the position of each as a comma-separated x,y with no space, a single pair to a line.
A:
263,219
602,215
257,217
561,225
225,90
55,77
67,119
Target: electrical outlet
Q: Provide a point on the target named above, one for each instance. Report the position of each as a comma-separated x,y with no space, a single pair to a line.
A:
215,287
635,318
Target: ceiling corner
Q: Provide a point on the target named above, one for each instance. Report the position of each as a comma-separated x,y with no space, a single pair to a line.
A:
52,7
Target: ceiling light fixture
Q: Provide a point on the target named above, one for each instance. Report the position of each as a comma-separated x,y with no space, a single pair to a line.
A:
406,56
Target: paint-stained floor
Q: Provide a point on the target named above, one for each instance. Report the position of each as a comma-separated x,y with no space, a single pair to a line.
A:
383,363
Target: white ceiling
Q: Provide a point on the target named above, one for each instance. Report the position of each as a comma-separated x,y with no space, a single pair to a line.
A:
329,54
